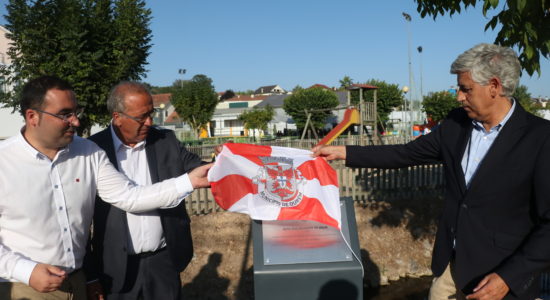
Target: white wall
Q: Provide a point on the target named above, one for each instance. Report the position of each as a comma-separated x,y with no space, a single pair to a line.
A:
10,124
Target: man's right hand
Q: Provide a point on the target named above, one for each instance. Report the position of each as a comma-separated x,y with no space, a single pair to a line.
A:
198,176
330,152
46,278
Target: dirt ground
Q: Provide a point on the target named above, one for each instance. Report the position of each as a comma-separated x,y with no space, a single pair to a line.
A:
395,237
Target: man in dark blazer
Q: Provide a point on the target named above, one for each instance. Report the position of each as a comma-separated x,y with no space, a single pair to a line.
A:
139,255
493,238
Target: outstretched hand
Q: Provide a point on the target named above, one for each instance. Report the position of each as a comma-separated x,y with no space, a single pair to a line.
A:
198,176
330,152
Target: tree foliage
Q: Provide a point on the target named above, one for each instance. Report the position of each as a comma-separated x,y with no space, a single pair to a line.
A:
227,95
525,24
437,105
345,82
195,102
524,98
93,44
257,118
389,96
317,100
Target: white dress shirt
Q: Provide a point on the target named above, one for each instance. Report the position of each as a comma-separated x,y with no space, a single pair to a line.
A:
46,206
145,228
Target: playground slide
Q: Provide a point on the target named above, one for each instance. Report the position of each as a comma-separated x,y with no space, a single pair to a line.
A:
351,116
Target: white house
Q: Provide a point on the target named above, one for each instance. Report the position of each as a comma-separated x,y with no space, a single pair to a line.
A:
225,121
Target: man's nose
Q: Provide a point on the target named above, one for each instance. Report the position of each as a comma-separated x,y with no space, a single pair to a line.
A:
460,97
74,122
149,121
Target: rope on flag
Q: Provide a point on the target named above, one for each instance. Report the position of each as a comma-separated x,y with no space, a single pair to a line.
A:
275,183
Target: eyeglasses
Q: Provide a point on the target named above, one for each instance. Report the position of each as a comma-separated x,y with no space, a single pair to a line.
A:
141,119
65,117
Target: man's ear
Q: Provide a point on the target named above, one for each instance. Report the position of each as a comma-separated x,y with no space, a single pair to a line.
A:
116,118
32,117
495,86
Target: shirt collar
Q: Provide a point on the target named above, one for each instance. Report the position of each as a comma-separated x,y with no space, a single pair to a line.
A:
117,143
479,126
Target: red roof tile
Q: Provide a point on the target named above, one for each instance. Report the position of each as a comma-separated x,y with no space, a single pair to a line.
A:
173,118
161,98
317,85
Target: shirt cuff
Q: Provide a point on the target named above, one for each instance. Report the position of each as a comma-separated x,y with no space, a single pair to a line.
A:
183,187
23,270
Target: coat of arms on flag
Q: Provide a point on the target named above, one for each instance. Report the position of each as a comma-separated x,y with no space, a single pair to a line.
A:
275,183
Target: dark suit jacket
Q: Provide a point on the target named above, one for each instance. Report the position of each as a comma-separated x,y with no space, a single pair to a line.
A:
501,223
107,256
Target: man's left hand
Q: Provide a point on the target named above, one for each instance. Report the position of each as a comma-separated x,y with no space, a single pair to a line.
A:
490,287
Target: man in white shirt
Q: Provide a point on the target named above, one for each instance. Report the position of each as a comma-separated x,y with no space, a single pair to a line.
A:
48,182
139,255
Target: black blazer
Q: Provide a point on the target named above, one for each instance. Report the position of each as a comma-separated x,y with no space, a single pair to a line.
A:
107,255
501,223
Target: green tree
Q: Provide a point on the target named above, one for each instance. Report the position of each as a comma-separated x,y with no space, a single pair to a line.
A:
437,105
345,82
247,92
228,94
257,118
297,88
195,102
389,96
524,24
91,44
162,89
524,98
319,100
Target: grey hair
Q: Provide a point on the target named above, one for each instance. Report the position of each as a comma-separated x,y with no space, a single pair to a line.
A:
485,61
115,102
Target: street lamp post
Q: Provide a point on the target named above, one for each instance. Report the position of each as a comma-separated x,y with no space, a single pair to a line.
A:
411,82
182,72
421,83
405,90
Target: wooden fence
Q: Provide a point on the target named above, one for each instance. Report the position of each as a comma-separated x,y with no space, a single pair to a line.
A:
205,151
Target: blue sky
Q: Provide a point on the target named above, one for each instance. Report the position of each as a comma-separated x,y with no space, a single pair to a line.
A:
244,44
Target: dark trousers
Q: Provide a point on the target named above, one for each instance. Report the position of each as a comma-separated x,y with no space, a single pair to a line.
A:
150,277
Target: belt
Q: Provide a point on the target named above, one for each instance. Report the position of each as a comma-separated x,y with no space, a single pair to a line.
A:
147,254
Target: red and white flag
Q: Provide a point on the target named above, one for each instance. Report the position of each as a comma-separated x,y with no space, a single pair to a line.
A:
275,183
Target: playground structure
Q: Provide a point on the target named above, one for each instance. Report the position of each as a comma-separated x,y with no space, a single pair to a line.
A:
364,115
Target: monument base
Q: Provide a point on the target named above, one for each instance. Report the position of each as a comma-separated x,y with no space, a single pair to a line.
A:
307,260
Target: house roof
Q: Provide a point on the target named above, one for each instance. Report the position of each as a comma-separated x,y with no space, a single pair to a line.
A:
173,118
277,101
247,98
274,101
317,85
159,99
265,89
364,86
